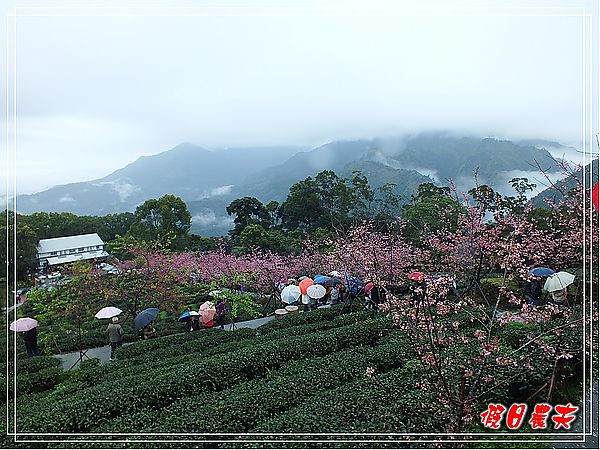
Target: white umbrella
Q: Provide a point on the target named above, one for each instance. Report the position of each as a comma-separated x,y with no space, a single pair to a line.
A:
335,273
108,312
290,294
559,281
316,291
217,294
23,324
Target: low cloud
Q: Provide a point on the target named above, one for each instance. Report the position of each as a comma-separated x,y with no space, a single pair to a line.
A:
534,176
123,190
208,218
216,192
221,190
66,199
386,160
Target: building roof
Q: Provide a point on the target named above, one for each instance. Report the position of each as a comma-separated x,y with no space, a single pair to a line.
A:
69,242
55,260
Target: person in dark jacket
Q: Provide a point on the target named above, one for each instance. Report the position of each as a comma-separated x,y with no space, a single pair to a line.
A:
221,309
149,331
115,336
30,338
195,324
533,291
375,297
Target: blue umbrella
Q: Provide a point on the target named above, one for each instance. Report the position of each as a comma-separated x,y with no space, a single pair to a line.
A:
187,316
326,281
541,272
320,279
145,317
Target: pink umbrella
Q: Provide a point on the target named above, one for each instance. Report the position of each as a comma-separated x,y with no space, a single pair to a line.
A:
369,287
23,324
207,312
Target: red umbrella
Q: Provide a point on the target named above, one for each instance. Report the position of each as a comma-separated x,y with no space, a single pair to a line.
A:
368,287
417,276
596,196
304,284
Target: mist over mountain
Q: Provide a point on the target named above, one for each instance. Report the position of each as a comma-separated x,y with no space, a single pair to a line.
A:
188,171
566,182
209,180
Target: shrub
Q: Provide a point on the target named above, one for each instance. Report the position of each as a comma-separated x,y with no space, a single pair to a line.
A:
40,381
159,388
239,408
32,365
89,363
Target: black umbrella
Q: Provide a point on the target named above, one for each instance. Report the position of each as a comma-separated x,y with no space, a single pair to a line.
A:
145,317
326,281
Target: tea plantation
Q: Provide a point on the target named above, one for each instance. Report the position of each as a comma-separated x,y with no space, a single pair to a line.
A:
305,373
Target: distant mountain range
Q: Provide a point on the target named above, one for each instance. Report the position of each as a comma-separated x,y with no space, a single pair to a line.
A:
565,184
209,180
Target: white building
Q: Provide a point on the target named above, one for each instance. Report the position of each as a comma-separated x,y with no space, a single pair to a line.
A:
68,249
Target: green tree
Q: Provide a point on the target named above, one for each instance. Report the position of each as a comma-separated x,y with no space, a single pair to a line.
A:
115,224
518,204
302,210
195,242
166,220
25,239
431,210
255,236
487,198
326,201
51,225
248,211
387,203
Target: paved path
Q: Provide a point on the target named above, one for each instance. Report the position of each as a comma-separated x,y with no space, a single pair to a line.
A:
590,441
103,353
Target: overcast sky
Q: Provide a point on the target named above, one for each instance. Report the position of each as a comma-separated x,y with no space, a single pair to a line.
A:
94,93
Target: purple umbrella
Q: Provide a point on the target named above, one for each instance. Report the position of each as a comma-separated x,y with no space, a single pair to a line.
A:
23,324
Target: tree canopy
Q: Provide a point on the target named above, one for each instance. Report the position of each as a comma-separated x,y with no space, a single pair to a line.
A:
164,219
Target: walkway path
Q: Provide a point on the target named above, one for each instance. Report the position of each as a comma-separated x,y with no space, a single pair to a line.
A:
590,441
103,353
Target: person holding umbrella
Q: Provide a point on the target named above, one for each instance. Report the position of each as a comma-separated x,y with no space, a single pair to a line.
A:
194,323
557,285
143,321
334,294
221,309
149,331
28,327
30,338
533,291
115,336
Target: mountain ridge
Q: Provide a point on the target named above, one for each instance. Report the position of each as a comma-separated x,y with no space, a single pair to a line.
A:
208,180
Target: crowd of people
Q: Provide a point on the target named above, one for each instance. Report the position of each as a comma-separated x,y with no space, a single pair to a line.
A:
373,293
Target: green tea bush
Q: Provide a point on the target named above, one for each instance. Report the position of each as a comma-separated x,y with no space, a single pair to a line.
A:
239,408
391,405
200,345
39,381
159,388
32,365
